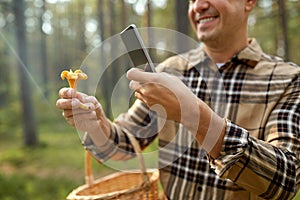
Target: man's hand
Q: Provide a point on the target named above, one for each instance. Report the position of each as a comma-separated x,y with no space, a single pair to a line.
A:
170,97
84,113
164,93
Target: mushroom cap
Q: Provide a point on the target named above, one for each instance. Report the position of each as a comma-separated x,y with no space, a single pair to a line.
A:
73,77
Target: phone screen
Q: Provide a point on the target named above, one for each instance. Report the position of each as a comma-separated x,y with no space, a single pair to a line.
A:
136,49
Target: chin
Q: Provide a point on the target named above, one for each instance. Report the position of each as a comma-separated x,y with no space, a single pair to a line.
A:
207,38
202,38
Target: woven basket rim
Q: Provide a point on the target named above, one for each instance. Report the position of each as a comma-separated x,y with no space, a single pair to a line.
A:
153,178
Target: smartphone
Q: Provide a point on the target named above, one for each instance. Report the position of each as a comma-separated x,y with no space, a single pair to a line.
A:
136,49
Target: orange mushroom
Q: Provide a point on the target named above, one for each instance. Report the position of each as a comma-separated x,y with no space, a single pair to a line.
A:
72,78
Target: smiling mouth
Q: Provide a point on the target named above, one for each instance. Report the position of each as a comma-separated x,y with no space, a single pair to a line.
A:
205,20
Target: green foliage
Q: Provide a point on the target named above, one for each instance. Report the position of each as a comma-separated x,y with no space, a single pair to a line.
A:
265,26
28,187
10,118
50,170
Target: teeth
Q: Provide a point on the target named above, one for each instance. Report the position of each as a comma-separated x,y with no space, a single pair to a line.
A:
206,20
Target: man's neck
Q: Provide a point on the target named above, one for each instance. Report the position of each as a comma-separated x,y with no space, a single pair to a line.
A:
222,52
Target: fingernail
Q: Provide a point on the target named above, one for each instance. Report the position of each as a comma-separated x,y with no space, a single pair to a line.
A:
69,93
74,103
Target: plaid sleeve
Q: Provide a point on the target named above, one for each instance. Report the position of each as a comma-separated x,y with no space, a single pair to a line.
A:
269,167
138,121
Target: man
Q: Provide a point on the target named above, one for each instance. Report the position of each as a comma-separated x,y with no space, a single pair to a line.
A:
231,130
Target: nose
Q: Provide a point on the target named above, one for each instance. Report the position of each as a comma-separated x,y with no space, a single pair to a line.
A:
199,6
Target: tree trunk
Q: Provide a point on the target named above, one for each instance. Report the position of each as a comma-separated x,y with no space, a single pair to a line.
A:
81,28
82,48
123,14
105,79
111,74
4,77
182,23
148,16
284,27
43,47
29,123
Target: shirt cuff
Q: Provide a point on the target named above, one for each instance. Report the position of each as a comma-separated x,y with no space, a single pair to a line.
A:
233,148
105,151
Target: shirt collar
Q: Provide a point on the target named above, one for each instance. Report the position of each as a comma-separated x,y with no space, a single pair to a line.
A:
248,56
251,54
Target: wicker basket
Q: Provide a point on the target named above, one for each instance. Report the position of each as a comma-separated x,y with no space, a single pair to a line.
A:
130,185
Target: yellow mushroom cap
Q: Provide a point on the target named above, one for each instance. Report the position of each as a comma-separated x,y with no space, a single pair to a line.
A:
73,77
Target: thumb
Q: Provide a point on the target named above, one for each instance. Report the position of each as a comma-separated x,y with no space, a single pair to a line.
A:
139,75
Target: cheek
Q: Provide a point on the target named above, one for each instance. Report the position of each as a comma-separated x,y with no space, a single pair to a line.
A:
191,15
236,25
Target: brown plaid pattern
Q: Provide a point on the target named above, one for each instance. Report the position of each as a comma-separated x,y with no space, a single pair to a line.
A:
259,95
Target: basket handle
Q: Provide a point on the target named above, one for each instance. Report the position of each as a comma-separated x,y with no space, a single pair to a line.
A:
138,151
89,179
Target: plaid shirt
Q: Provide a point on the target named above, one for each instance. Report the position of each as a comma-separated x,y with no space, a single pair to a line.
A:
258,95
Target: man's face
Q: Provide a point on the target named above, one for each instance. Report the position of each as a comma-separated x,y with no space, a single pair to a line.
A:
219,19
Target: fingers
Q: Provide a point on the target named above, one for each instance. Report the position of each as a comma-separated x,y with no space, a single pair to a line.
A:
141,76
140,90
70,99
68,104
69,93
73,111
80,110
90,99
64,104
74,117
134,85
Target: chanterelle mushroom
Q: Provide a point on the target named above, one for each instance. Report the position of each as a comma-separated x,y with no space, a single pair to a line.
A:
73,77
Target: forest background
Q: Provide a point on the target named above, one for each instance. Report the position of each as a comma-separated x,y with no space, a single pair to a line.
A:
41,156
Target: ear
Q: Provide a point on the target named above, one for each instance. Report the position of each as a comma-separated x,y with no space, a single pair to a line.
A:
249,5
